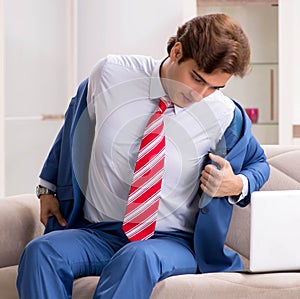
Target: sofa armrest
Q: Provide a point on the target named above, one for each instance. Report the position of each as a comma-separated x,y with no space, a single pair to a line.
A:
19,224
238,237
284,166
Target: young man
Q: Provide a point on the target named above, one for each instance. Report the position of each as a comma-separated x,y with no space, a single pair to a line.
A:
93,171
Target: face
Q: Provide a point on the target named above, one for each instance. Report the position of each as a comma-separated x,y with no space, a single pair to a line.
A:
185,83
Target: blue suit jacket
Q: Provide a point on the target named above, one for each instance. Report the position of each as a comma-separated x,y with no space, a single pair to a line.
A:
68,161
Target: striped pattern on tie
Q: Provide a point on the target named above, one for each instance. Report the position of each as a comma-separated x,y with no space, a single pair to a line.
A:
144,195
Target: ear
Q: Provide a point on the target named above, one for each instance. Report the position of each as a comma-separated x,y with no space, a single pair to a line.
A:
176,52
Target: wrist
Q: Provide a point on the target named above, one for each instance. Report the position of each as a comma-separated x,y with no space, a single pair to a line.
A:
47,196
239,186
42,191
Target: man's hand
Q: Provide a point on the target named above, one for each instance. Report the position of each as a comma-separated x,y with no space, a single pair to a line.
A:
50,207
219,182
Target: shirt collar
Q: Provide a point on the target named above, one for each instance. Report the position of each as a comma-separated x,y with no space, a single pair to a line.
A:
156,88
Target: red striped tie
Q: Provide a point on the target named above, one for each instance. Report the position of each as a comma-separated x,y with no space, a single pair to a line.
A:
142,207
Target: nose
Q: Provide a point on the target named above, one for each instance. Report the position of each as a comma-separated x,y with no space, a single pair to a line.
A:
205,91
200,93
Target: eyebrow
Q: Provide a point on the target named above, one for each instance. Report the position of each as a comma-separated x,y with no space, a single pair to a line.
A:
200,77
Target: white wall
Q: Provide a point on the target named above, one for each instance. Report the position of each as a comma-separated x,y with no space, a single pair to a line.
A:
35,81
289,49
126,27
2,92
48,47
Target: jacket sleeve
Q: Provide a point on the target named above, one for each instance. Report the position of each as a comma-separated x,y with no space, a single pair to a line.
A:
245,154
59,155
58,167
255,168
247,157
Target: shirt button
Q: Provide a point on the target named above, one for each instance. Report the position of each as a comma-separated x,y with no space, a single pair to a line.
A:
205,210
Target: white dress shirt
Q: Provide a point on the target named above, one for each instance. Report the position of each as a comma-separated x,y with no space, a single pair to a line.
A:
123,93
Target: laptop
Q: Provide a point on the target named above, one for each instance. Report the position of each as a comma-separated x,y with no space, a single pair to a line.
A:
275,231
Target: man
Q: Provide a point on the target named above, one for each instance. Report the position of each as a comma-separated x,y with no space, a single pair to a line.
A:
92,173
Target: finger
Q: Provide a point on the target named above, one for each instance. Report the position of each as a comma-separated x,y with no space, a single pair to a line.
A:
204,188
204,180
61,220
208,190
212,185
212,178
211,171
205,174
44,218
218,159
207,178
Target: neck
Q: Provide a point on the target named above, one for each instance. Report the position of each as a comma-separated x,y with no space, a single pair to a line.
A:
162,73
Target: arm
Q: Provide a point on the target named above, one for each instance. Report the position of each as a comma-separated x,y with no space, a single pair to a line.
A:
245,163
223,181
57,169
255,168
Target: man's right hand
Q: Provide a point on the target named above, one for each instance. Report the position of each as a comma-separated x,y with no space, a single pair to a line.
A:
50,207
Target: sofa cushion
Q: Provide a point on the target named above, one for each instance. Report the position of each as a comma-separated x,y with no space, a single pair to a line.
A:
229,286
24,227
84,288
204,286
213,286
8,277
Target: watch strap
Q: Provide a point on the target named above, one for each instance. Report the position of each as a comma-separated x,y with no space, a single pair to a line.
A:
40,190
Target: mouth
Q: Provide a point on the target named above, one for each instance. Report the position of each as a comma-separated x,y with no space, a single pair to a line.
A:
188,101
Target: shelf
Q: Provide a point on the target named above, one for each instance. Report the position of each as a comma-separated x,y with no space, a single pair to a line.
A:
237,2
264,63
266,124
296,131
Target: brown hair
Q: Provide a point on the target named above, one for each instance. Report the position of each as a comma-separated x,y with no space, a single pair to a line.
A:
214,41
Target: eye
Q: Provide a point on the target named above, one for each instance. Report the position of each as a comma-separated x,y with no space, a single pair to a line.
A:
215,88
197,79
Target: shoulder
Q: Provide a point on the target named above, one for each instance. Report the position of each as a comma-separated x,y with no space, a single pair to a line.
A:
115,69
135,63
222,108
219,100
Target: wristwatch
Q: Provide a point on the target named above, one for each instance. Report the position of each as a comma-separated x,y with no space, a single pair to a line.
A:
40,190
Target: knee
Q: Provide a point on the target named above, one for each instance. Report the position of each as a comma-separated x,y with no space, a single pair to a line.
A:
131,273
139,250
36,246
142,256
36,251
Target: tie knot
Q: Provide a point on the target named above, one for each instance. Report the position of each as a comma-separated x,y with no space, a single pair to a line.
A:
164,103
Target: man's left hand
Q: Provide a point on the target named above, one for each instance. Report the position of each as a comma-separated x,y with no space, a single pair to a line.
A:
220,181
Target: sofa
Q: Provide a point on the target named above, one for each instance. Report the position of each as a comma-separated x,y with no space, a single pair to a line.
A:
19,223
